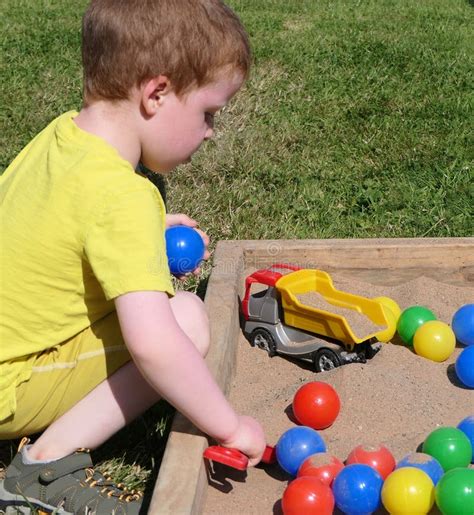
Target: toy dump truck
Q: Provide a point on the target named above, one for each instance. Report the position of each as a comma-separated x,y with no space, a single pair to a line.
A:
278,321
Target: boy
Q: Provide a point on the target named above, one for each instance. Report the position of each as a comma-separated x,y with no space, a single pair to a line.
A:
92,331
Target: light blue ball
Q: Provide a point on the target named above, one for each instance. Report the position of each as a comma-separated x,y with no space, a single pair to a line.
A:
467,427
424,462
464,366
295,445
463,324
357,489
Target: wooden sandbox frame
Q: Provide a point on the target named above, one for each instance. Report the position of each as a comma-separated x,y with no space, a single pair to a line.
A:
182,481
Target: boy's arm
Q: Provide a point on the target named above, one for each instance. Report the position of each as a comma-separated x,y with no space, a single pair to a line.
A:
170,362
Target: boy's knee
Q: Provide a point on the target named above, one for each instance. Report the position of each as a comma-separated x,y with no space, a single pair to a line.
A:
191,315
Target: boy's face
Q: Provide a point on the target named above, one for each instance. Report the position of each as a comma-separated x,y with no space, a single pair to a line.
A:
180,125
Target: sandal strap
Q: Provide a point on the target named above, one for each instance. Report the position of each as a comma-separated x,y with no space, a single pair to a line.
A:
60,468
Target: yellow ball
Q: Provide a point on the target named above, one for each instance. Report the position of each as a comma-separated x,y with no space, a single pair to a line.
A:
392,313
434,340
408,491
391,305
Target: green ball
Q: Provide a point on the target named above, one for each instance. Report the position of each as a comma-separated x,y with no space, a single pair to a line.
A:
455,492
450,446
410,320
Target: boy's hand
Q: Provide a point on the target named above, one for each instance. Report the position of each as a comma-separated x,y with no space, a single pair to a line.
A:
182,219
248,438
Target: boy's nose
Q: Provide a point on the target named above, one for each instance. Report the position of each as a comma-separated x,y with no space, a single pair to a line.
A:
209,133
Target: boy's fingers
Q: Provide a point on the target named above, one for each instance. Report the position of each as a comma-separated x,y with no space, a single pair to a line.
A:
180,219
204,236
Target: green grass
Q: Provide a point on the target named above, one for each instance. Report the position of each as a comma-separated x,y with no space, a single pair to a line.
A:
356,122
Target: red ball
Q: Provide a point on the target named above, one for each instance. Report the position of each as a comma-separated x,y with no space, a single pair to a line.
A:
308,496
316,405
379,458
323,466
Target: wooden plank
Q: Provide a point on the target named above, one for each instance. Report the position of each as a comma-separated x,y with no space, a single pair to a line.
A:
222,306
364,253
182,480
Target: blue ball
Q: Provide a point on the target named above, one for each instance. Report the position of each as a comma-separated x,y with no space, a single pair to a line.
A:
464,366
357,489
467,427
424,462
184,248
295,445
463,324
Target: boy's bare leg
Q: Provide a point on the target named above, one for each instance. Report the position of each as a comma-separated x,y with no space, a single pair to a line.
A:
118,400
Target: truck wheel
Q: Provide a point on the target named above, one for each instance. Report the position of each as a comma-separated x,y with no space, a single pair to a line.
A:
372,349
326,359
262,339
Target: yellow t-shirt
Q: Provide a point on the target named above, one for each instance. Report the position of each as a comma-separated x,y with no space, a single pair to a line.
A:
78,228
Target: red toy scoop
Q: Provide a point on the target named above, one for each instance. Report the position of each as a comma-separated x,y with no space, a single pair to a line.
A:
234,458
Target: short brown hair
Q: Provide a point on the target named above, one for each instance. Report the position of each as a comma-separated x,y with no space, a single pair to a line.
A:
125,42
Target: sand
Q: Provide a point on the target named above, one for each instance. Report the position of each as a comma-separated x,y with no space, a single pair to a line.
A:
360,324
395,399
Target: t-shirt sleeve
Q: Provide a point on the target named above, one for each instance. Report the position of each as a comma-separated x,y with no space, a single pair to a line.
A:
126,247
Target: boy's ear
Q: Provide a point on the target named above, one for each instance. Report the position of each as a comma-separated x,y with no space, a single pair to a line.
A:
153,93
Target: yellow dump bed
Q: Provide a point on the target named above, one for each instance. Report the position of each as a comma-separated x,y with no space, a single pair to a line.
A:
322,321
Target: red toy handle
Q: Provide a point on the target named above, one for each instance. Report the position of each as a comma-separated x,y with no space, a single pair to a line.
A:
231,457
234,458
269,455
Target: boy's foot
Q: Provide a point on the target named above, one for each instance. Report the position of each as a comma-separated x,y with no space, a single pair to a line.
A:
68,486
